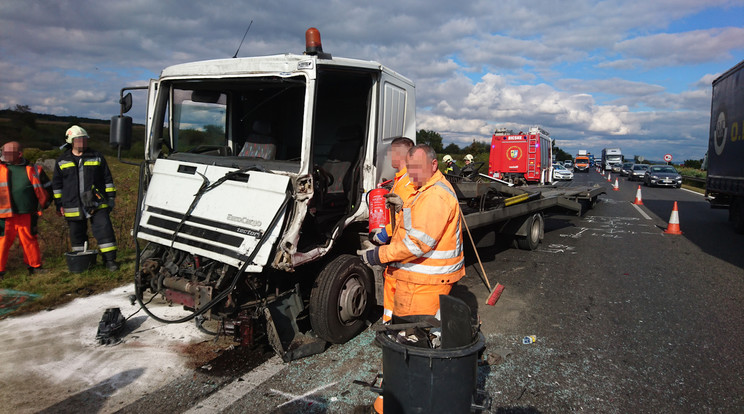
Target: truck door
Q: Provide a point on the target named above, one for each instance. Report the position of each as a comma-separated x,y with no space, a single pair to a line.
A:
152,93
396,115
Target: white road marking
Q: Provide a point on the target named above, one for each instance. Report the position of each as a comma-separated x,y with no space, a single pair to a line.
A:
693,192
238,388
557,248
302,397
643,213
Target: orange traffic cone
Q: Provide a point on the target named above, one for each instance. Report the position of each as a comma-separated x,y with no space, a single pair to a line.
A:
378,404
673,226
609,178
638,200
616,187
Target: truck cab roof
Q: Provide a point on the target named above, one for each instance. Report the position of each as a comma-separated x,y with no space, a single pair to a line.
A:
251,66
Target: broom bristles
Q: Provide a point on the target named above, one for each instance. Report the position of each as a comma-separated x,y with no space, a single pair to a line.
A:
495,295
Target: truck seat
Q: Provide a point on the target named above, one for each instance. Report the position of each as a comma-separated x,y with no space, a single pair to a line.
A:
342,157
259,143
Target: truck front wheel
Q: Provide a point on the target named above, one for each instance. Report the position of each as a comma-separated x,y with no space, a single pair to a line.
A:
341,299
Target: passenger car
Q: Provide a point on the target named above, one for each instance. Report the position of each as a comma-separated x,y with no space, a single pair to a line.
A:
561,173
568,164
616,167
637,172
664,175
625,169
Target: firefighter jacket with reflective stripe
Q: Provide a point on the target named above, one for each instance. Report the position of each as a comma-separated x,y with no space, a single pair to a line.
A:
6,206
75,176
426,247
403,187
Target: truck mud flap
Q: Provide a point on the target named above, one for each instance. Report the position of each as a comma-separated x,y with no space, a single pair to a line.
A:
282,331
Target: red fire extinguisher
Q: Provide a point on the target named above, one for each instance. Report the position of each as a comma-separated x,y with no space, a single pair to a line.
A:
378,214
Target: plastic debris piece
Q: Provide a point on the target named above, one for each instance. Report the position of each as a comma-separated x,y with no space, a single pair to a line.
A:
531,339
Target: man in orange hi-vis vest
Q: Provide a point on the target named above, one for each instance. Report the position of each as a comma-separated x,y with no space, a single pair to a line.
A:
425,254
22,197
401,191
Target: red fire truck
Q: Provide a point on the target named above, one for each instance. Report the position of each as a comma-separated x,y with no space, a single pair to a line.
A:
521,158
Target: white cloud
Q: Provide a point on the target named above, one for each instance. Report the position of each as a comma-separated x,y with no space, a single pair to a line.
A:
476,64
671,49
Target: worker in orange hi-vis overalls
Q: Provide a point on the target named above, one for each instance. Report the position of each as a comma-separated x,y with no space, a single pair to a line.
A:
22,197
401,191
425,253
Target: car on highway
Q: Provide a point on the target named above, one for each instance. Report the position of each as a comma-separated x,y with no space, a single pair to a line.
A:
561,173
662,175
637,172
568,164
616,167
625,169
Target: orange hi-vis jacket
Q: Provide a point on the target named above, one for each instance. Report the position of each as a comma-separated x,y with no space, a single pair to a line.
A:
6,207
426,247
403,187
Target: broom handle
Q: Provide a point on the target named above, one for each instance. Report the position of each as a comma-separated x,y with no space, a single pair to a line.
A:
485,277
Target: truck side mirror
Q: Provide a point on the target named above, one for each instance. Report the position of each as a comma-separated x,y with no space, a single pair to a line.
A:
126,103
120,135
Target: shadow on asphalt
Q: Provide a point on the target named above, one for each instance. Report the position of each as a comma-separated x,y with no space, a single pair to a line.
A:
95,397
716,238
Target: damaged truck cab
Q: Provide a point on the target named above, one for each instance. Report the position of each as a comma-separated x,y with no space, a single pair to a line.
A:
252,192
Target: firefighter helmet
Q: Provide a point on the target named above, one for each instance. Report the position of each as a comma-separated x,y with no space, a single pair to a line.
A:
74,132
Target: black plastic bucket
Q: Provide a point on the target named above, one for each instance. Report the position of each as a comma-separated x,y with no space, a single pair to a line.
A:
78,262
424,380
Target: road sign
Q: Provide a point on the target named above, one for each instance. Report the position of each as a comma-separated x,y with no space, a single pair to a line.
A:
668,157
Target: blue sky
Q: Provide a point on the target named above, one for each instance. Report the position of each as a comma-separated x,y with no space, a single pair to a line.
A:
616,73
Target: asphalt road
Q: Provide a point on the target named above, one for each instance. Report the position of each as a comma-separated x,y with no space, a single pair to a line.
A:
627,319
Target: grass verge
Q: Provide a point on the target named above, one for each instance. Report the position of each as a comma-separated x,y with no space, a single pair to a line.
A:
58,286
693,188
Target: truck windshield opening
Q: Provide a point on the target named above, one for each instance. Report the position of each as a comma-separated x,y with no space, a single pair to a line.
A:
257,118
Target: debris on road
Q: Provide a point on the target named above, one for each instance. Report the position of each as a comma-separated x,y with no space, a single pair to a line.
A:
10,300
110,325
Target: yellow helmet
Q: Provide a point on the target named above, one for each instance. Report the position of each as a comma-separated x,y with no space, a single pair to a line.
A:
447,158
74,132
469,158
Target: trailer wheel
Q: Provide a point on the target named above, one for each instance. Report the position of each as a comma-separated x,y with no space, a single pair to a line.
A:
341,299
535,230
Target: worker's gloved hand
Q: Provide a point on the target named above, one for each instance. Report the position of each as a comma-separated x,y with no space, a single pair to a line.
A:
379,236
370,257
393,202
110,203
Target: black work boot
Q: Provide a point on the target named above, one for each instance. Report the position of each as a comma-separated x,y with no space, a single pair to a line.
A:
112,266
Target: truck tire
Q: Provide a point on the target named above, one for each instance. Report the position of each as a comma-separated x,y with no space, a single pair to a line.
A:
341,299
535,230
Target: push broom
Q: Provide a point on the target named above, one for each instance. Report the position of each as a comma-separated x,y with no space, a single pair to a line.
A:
495,294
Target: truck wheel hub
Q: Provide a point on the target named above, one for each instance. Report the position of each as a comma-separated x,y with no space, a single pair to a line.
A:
352,301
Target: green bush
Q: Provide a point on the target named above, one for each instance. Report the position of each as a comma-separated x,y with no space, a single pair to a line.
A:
692,172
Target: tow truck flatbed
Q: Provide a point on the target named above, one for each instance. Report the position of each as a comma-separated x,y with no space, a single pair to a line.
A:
513,210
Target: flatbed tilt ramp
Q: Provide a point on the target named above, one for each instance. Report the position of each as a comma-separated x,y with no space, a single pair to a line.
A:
519,211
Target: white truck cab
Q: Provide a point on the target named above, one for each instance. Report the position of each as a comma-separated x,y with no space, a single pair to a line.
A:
255,167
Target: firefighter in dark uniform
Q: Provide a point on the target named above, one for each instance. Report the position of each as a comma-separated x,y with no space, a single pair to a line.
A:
84,190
